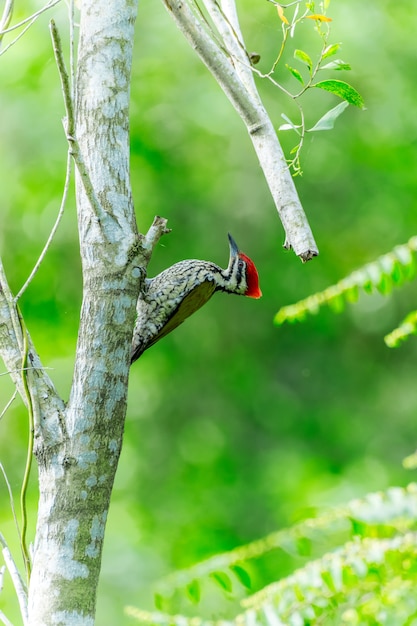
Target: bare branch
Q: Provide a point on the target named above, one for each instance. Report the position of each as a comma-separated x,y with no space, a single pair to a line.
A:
69,123
4,619
246,100
9,490
8,405
7,14
53,231
19,585
31,18
6,17
152,237
226,21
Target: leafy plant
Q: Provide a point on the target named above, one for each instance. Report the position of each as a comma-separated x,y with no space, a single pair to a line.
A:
365,571
291,16
382,275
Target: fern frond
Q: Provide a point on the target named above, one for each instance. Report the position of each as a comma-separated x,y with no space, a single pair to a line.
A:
405,329
380,514
382,275
369,581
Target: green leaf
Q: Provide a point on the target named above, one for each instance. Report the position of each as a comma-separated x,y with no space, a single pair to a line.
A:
336,303
327,121
327,579
303,546
375,274
352,293
398,335
290,125
193,591
337,64
330,50
304,58
159,601
295,73
242,575
343,90
385,284
223,580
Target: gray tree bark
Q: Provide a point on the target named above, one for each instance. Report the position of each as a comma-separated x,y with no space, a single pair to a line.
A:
77,467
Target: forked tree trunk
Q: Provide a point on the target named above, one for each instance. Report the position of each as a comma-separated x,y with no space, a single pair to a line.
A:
78,465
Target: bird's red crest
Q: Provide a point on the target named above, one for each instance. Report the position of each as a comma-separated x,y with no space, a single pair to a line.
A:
252,278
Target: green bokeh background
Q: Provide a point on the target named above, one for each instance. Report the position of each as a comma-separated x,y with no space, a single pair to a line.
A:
235,427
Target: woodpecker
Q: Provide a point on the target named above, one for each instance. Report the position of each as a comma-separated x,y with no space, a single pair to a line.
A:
177,292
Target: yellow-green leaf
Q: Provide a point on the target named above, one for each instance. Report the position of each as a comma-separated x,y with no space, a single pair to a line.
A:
295,73
303,57
223,580
193,591
242,575
343,90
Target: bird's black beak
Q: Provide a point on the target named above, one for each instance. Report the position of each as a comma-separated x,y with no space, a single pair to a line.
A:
234,250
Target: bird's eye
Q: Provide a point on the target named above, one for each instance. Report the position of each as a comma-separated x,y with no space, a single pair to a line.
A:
241,264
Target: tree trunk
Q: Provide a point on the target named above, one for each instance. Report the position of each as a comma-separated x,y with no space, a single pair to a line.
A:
76,471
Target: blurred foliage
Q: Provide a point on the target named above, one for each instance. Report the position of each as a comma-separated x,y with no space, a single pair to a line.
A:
235,427
355,565
386,272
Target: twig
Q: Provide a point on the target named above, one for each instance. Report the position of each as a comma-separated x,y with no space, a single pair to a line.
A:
6,17
225,18
69,124
6,408
32,19
53,231
65,81
29,454
19,585
12,506
4,619
155,232
72,47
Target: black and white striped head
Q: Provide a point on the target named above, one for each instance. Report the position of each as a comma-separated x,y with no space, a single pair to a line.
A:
241,276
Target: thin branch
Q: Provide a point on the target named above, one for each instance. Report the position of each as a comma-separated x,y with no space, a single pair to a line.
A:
16,39
152,237
72,47
31,19
248,104
69,124
4,619
29,454
53,231
65,81
19,585
6,17
8,405
225,18
12,506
